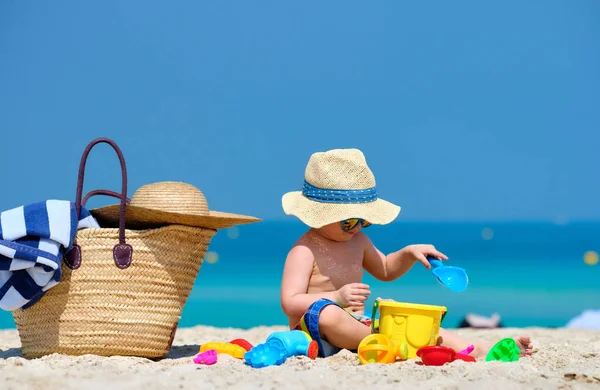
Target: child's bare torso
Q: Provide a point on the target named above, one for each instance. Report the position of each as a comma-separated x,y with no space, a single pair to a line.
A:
335,265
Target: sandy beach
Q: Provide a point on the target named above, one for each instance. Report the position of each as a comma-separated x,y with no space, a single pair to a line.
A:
563,358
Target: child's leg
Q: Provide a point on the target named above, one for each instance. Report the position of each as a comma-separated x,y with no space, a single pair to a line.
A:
457,343
341,329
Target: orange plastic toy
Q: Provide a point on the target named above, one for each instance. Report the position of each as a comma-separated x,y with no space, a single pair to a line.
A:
378,348
227,348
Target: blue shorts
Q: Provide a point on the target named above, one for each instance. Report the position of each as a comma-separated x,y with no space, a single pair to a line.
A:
309,323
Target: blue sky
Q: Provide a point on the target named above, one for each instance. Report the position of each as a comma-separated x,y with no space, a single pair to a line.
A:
466,110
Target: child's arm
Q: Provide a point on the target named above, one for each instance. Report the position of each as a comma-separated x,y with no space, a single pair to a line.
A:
294,282
394,265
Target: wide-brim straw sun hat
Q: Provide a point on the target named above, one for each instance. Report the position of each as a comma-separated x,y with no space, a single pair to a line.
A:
338,185
169,203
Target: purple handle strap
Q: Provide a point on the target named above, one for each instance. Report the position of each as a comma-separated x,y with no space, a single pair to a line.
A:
122,252
102,192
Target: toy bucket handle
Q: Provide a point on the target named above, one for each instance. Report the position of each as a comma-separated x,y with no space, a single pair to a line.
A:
374,328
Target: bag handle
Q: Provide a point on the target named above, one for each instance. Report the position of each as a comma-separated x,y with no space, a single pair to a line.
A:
102,192
122,252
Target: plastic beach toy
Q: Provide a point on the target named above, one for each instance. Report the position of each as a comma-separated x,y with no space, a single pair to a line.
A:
209,357
230,349
466,358
436,355
505,350
454,278
464,354
467,350
408,323
242,343
295,343
264,355
281,345
378,348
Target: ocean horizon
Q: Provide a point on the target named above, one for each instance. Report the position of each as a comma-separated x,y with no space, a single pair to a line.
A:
530,273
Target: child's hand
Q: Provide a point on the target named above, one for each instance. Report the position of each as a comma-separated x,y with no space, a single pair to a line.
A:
353,294
420,252
356,309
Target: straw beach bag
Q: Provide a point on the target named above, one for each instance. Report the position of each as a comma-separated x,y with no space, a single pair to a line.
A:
122,291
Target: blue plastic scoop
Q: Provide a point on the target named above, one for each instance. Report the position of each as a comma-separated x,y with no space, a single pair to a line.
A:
454,278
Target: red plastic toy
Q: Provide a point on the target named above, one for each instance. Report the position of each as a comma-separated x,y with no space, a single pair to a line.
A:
436,355
242,343
466,358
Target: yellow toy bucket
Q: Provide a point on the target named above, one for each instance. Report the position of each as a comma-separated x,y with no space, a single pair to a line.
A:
408,323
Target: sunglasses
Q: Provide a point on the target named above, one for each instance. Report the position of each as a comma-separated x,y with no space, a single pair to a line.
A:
349,224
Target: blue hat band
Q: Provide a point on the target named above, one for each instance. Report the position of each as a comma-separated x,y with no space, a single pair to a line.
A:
327,195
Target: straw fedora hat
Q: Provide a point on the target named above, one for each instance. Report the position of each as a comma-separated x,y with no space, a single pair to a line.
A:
338,185
169,203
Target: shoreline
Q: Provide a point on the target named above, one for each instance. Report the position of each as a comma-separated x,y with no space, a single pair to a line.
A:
562,357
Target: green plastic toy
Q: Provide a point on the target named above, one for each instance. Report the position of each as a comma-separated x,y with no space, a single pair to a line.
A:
505,350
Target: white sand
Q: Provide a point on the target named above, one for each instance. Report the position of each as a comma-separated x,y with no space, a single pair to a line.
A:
563,358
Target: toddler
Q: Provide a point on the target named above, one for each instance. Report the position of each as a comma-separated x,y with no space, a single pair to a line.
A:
321,288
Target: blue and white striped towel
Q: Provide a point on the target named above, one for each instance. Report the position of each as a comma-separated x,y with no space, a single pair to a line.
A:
33,240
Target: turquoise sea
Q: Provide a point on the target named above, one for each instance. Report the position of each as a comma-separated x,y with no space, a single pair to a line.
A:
532,274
